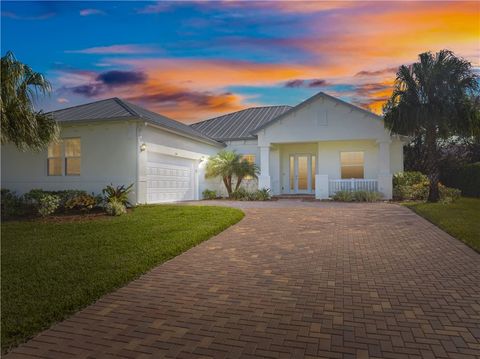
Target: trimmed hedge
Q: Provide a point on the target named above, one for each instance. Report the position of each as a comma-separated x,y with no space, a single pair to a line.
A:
466,178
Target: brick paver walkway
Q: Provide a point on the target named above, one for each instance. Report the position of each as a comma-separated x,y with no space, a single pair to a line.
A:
293,281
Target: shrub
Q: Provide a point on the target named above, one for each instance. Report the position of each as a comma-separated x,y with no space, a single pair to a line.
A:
365,196
209,194
67,195
258,195
357,196
263,194
448,195
83,202
115,208
466,178
47,204
343,196
12,205
119,193
410,186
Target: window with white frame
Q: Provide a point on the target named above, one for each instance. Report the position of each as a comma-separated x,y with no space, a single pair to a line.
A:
352,165
64,157
249,159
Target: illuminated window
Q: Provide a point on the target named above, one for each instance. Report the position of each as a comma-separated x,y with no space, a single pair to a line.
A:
54,161
64,158
72,157
352,164
249,159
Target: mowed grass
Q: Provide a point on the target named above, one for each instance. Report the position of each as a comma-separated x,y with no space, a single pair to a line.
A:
460,219
51,270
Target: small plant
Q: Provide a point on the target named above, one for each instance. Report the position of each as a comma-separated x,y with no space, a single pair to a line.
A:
67,195
119,193
240,194
263,194
47,204
115,208
448,195
343,196
209,194
82,202
366,196
357,196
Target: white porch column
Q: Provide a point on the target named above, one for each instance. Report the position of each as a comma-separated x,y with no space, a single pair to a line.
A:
264,178
321,180
385,184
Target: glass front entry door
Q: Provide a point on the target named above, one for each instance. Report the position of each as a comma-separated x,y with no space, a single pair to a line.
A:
302,173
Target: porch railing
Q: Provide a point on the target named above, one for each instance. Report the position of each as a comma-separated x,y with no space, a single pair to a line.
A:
352,185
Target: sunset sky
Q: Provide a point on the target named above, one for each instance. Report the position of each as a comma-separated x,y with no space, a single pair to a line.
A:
195,60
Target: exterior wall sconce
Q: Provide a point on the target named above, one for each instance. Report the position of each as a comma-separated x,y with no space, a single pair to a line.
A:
143,147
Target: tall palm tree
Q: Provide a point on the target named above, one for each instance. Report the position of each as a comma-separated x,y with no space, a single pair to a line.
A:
434,98
21,123
229,165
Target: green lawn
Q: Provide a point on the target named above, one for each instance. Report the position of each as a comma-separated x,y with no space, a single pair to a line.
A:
51,270
460,219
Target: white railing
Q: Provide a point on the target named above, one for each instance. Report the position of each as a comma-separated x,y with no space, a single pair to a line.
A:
352,185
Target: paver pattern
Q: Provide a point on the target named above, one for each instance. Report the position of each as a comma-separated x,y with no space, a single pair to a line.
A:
292,280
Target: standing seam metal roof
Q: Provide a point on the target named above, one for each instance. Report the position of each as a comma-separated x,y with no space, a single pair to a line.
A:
240,124
115,108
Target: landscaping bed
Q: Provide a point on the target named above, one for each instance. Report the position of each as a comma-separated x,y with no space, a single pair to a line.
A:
55,266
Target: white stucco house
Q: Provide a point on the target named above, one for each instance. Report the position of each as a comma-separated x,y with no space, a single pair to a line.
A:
318,147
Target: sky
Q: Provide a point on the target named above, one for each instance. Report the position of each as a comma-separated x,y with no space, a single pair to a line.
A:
196,60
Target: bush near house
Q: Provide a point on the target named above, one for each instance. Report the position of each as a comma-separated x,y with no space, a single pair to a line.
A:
357,196
466,178
414,186
242,194
209,194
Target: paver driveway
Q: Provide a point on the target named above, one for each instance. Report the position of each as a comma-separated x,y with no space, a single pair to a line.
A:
295,280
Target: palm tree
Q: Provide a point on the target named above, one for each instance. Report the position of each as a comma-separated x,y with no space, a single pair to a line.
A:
21,123
229,165
433,99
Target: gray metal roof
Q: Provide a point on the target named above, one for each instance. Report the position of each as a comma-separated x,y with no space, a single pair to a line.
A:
239,125
115,108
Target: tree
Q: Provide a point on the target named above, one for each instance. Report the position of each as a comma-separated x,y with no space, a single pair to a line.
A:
21,123
433,99
229,165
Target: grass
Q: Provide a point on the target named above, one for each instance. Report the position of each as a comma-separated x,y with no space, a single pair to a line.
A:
460,219
52,269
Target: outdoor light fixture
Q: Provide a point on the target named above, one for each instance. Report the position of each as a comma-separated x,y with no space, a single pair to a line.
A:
143,147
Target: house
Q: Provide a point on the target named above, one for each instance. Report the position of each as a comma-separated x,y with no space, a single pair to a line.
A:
318,147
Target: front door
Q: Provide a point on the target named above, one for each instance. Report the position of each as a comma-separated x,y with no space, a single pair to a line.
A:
302,173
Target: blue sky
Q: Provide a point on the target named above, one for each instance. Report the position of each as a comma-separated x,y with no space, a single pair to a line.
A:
194,60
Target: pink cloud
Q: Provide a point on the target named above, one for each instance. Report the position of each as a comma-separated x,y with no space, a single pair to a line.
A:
88,12
115,49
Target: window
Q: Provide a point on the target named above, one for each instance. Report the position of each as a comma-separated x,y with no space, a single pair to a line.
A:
72,157
352,164
64,158
54,161
249,159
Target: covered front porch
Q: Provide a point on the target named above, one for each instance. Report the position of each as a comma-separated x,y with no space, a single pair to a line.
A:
323,168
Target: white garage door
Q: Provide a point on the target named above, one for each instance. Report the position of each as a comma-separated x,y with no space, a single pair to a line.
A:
169,178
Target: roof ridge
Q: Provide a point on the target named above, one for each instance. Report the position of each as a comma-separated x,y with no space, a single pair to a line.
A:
231,113
126,106
83,104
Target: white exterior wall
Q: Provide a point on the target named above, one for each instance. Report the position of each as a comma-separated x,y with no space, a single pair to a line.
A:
163,142
107,156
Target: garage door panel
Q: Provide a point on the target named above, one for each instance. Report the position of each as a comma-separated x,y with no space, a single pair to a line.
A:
170,179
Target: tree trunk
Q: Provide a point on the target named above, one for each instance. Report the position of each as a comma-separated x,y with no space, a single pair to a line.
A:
433,172
228,186
239,182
